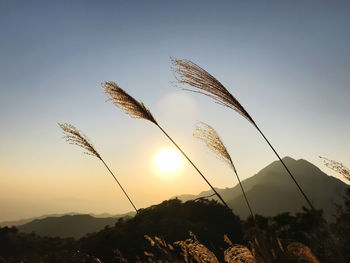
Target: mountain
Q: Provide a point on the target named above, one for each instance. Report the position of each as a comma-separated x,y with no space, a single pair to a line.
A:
170,221
272,191
27,220
75,226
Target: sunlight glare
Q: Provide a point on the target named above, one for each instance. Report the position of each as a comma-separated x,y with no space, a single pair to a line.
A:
168,161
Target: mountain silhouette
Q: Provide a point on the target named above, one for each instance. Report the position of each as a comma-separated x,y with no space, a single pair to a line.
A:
271,191
75,226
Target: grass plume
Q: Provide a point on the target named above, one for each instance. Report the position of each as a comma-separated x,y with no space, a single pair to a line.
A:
211,138
191,74
239,254
76,137
337,167
136,109
188,73
128,104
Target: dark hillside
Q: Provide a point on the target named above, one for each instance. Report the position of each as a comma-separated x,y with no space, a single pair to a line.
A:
67,226
171,220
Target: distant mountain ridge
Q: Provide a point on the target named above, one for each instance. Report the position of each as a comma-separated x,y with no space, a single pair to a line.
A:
71,225
272,191
19,222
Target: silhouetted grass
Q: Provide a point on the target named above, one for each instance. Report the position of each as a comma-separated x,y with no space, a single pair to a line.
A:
137,109
211,138
76,137
191,74
337,167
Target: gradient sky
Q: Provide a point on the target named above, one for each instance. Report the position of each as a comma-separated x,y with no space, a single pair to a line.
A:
287,63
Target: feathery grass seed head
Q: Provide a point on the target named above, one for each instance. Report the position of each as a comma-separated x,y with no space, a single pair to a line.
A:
187,72
301,252
211,138
198,251
239,254
127,103
76,137
337,167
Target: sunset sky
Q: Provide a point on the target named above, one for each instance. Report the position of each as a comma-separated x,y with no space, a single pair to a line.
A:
287,63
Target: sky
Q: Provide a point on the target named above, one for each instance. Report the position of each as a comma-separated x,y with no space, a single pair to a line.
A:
288,63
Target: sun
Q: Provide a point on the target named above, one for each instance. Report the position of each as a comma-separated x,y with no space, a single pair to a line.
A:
168,161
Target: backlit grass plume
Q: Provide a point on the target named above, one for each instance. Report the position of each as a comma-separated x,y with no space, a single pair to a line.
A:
211,138
138,110
188,73
128,104
76,137
337,167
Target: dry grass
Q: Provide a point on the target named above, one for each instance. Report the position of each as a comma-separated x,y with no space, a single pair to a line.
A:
137,109
193,75
192,248
188,73
211,138
187,251
163,249
127,103
302,252
269,250
239,254
337,167
263,251
76,137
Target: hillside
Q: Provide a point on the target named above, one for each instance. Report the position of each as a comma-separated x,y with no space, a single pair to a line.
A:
75,226
27,220
171,221
272,191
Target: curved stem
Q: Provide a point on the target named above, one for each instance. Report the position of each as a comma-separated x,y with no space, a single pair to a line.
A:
240,184
332,239
285,166
195,167
119,185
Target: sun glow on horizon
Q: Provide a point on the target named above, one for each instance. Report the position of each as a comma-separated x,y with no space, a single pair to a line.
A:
168,161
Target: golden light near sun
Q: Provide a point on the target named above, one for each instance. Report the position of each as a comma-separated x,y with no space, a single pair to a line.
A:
168,161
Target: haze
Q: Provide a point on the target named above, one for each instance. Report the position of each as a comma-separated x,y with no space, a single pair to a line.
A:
287,63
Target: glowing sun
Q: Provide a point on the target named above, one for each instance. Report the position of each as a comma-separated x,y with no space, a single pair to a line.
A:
168,161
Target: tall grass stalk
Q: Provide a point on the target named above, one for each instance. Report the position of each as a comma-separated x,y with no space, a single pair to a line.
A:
76,137
138,110
337,167
211,138
188,73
